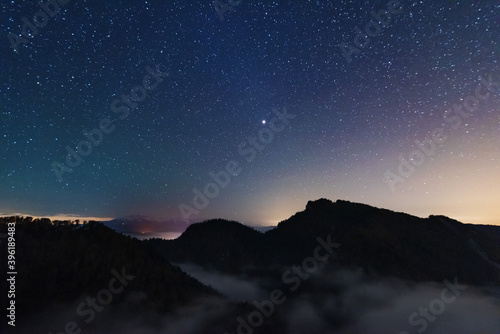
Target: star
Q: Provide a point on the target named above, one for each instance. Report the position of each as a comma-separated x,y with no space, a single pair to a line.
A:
145,134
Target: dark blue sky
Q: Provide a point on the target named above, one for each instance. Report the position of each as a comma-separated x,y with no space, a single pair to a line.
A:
351,126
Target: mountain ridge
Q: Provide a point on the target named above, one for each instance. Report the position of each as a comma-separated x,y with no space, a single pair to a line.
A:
380,241
71,261
138,224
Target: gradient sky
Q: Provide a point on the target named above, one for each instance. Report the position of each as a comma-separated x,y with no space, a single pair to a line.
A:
352,121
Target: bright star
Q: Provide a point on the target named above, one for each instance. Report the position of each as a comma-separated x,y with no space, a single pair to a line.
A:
263,121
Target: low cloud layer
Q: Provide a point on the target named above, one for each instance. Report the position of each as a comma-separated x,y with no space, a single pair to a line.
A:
344,302
236,289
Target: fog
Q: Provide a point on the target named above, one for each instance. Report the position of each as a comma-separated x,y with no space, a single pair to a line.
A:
342,301
237,289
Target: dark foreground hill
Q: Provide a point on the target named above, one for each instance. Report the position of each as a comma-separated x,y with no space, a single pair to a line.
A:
63,264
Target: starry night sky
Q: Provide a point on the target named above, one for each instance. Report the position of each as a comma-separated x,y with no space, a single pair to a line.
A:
217,84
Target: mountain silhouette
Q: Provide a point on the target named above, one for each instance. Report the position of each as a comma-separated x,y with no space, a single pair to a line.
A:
62,263
382,242
140,224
